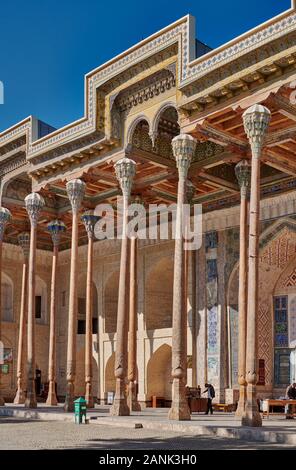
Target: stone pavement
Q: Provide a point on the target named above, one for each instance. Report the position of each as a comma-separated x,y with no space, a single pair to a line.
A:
24,434
276,429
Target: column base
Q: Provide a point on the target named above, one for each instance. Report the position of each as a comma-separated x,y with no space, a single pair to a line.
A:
20,397
119,407
179,410
88,396
251,415
241,402
31,401
132,399
51,397
69,400
2,402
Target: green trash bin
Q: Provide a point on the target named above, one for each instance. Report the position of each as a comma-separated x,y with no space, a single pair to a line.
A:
80,410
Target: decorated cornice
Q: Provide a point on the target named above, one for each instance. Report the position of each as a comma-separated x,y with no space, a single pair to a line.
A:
12,164
190,69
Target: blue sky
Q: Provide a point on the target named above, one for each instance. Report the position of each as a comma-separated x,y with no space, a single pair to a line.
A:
47,46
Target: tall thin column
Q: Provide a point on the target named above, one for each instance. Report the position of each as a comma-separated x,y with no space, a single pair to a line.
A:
34,203
20,397
55,228
125,171
89,220
5,217
190,256
183,148
75,191
243,173
133,403
256,121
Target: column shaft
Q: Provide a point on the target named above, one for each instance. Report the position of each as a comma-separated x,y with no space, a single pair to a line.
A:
133,403
193,327
119,407
242,305
20,394
252,415
31,401
72,319
179,409
52,398
88,326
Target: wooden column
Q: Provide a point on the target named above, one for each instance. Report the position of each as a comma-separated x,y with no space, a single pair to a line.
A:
5,217
34,203
183,149
20,397
75,191
190,257
243,173
125,171
56,227
256,121
133,403
89,220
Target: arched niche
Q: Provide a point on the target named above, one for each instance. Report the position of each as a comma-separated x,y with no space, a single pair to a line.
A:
139,135
110,381
111,302
40,300
159,295
81,292
159,368
80,372
232,322
6,298
165,127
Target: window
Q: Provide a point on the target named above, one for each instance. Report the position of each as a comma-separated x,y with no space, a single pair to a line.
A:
212,270
38,304
281,341
282,366
81,327
64,298
211,240
261,372
7,300
281,322
95,325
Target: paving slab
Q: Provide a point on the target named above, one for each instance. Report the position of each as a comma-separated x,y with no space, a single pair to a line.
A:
274,430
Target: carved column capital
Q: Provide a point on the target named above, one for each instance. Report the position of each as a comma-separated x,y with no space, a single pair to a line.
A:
24,242
56,228
90,219
34,203
184,146
5,217
243,175
256,121
125,170
75,191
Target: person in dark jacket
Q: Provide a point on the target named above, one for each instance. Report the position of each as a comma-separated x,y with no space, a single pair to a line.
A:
290,395
210,391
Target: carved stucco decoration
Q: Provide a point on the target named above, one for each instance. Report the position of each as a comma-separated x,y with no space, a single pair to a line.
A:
190,69
278,248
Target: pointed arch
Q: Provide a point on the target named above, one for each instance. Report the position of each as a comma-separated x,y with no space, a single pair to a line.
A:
132,127
159,112
159,368
7,294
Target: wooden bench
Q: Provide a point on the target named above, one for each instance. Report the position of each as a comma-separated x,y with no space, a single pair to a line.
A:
225,407
270,403
157,401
